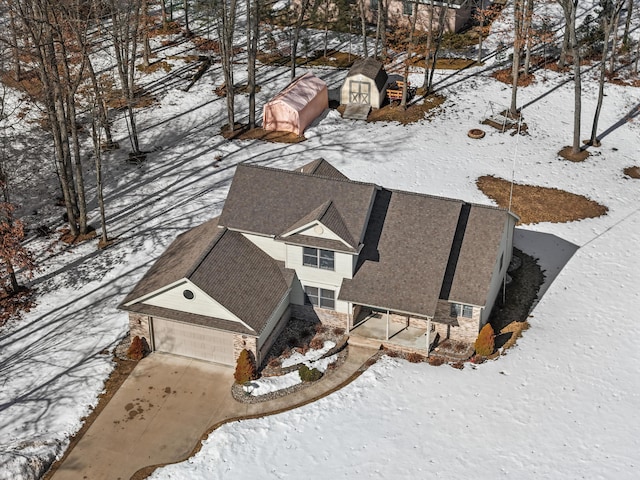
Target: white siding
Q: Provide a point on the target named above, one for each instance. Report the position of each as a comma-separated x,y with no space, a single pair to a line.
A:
506,249
201,304
268,245
273,319
343,268
310,231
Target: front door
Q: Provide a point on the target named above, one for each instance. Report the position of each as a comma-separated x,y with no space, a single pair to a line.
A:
359,92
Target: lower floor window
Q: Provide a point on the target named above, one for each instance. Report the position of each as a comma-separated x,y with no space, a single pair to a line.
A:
461,310
320,297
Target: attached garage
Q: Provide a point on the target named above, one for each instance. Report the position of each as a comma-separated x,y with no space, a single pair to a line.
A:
193,341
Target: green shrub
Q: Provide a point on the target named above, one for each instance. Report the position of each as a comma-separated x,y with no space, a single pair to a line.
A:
485,341
309,375
245,368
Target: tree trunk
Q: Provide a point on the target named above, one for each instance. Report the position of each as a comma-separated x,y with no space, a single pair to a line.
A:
527,33
627,24
434,60
569,9
427,54
253,23
97,152
562,61
613,44
146,47
378,29
518,41
610,21
363,23
187,30
163,12
17,70
296,36
226,29
635,63
405,84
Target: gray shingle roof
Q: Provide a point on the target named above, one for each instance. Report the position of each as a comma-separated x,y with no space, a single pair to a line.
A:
405,254
268,201
478,255
178,260
329,216
370,68
320,167
231,270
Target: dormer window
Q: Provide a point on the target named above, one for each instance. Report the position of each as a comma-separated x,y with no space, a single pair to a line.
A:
318,258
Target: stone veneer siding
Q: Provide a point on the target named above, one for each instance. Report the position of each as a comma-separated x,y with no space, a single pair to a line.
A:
245,342
456,328
331,318
139,326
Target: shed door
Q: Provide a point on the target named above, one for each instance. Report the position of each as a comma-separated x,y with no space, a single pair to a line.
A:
193,341
359,92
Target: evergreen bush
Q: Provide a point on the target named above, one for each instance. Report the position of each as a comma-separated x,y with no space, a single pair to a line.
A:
485,341
245,367
309,375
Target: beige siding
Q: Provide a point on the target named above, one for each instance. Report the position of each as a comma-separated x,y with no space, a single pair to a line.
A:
273,320
201,304
497,277
376,97
268,245
193,341
343,268
318,230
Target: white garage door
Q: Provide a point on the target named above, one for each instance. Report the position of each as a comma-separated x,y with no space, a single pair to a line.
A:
193,341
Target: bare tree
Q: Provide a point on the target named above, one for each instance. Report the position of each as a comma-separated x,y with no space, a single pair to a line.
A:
608,18
304,6
433,45
412,29
125,29
253,31
226,28
519,35
363,24
569,8
627,24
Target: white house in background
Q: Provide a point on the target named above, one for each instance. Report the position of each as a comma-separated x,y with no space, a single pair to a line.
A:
393,267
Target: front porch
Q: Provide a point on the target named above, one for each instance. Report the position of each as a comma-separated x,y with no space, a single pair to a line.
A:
389,329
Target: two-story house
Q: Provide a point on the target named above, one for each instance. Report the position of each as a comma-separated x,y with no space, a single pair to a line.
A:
397,267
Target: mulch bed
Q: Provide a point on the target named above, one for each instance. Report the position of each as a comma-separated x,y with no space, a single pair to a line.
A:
241,132
567,154
540,204
505,76
393,112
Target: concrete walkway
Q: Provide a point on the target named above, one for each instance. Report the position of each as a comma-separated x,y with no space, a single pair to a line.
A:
167,404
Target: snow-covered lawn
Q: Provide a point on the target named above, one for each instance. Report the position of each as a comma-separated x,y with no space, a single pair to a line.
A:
562,404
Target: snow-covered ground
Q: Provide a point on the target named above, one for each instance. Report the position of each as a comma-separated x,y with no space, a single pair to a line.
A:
562,404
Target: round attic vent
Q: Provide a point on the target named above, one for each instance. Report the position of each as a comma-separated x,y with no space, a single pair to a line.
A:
188,294
318,229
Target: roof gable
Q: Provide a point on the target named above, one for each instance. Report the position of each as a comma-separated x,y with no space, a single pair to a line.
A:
370,68
322,168
326,216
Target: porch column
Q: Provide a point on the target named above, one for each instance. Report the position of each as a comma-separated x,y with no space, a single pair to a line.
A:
387,324
349,316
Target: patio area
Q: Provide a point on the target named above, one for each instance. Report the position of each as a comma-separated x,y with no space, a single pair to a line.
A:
375,325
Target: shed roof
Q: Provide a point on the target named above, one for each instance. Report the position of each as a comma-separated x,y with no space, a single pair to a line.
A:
270,201
370,68
300,91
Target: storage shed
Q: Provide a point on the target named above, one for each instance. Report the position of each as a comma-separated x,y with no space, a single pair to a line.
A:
366,84
295,107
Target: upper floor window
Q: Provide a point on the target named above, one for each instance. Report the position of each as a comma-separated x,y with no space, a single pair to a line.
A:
407,7
318,258
374,5
460,310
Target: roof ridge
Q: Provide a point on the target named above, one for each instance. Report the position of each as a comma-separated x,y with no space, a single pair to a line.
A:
295,172
206,252
450,199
